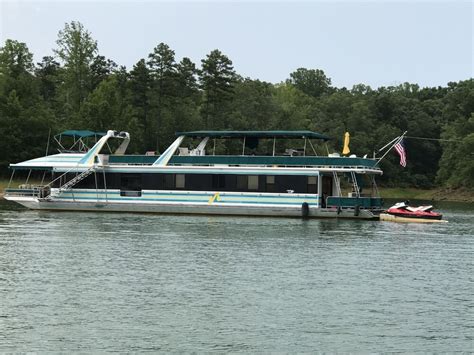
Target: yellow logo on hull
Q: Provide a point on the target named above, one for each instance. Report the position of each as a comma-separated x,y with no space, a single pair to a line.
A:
215,197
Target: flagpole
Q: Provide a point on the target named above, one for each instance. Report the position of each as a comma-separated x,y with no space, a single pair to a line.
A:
397,140
385,146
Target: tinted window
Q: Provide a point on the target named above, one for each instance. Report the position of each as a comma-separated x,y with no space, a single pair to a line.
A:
313,184
180,181
241,182
253,182
131,182
169,182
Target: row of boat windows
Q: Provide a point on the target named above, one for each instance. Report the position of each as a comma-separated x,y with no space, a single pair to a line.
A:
198,182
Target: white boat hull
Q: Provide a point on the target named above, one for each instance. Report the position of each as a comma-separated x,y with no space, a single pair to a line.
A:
392,218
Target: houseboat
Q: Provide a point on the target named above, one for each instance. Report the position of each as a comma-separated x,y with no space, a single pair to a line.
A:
194,179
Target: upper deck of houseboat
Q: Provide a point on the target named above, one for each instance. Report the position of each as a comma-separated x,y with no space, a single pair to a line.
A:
199,157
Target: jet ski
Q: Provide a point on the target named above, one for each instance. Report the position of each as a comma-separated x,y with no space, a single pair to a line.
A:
403,212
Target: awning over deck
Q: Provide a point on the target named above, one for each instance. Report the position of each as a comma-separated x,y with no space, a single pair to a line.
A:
80,134
254,134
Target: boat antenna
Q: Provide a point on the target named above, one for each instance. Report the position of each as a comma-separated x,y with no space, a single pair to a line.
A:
392,143
47,143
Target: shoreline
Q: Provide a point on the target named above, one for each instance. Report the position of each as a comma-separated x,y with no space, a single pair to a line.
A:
436,194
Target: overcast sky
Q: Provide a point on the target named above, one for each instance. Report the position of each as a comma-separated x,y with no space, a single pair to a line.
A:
377,43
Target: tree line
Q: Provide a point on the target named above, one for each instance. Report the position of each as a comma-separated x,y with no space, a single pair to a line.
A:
77,88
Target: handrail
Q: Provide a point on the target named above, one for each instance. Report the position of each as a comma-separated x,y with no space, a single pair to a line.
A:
63,174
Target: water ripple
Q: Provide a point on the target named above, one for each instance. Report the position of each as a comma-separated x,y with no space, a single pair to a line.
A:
122,282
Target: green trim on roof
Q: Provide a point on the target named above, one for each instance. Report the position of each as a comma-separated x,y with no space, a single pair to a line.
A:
247,160
80,133
254,134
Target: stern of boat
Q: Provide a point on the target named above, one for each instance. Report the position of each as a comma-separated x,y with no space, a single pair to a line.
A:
27,195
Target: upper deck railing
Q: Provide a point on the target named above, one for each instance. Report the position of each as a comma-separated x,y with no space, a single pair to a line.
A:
237,160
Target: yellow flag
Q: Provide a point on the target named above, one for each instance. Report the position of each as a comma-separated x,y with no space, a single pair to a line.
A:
346,149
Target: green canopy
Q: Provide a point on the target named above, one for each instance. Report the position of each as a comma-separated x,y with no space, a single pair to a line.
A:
80,134
254,134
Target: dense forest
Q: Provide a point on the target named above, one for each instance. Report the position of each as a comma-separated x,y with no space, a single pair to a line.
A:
77,88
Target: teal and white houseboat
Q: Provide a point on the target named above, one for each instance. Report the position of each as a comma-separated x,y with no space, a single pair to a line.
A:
297,183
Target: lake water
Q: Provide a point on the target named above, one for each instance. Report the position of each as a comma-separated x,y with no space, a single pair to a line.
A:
130,282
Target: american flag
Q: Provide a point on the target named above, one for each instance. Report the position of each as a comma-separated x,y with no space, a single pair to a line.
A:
400,148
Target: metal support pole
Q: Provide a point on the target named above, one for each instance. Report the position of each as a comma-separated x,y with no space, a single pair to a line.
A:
11,179
314,150
96,188
393,140
274,143
386,145
47,143
304,148
243,147
28,178
105,185
396,142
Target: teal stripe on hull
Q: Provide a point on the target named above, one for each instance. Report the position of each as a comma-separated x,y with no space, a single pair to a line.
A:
103,199
224,198
207,195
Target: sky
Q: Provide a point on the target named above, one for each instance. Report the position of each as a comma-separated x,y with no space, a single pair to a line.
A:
377,43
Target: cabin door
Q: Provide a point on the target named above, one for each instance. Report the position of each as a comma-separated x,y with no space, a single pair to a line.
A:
326,188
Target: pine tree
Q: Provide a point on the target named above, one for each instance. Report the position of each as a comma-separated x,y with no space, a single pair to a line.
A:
217,78
163,73
76,50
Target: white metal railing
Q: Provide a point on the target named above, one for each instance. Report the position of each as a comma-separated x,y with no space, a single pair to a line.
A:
68,185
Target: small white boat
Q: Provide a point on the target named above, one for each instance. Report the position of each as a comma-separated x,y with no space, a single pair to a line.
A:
403,212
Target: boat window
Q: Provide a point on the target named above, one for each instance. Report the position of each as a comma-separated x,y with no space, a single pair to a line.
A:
242,182
126,193
131,182
207,182
169,181
313,184
253,182
180,181
218,181
270,180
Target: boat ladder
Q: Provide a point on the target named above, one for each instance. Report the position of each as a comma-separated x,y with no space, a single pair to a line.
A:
68,185
338,183
355,185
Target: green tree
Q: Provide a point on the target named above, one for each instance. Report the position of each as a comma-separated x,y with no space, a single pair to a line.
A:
217,78
140,83
312,82
457,161
15,59
24,117
108,107
186,76
16,69
186,109
76,50
101,68
80,88
163,70
253,105
48,73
